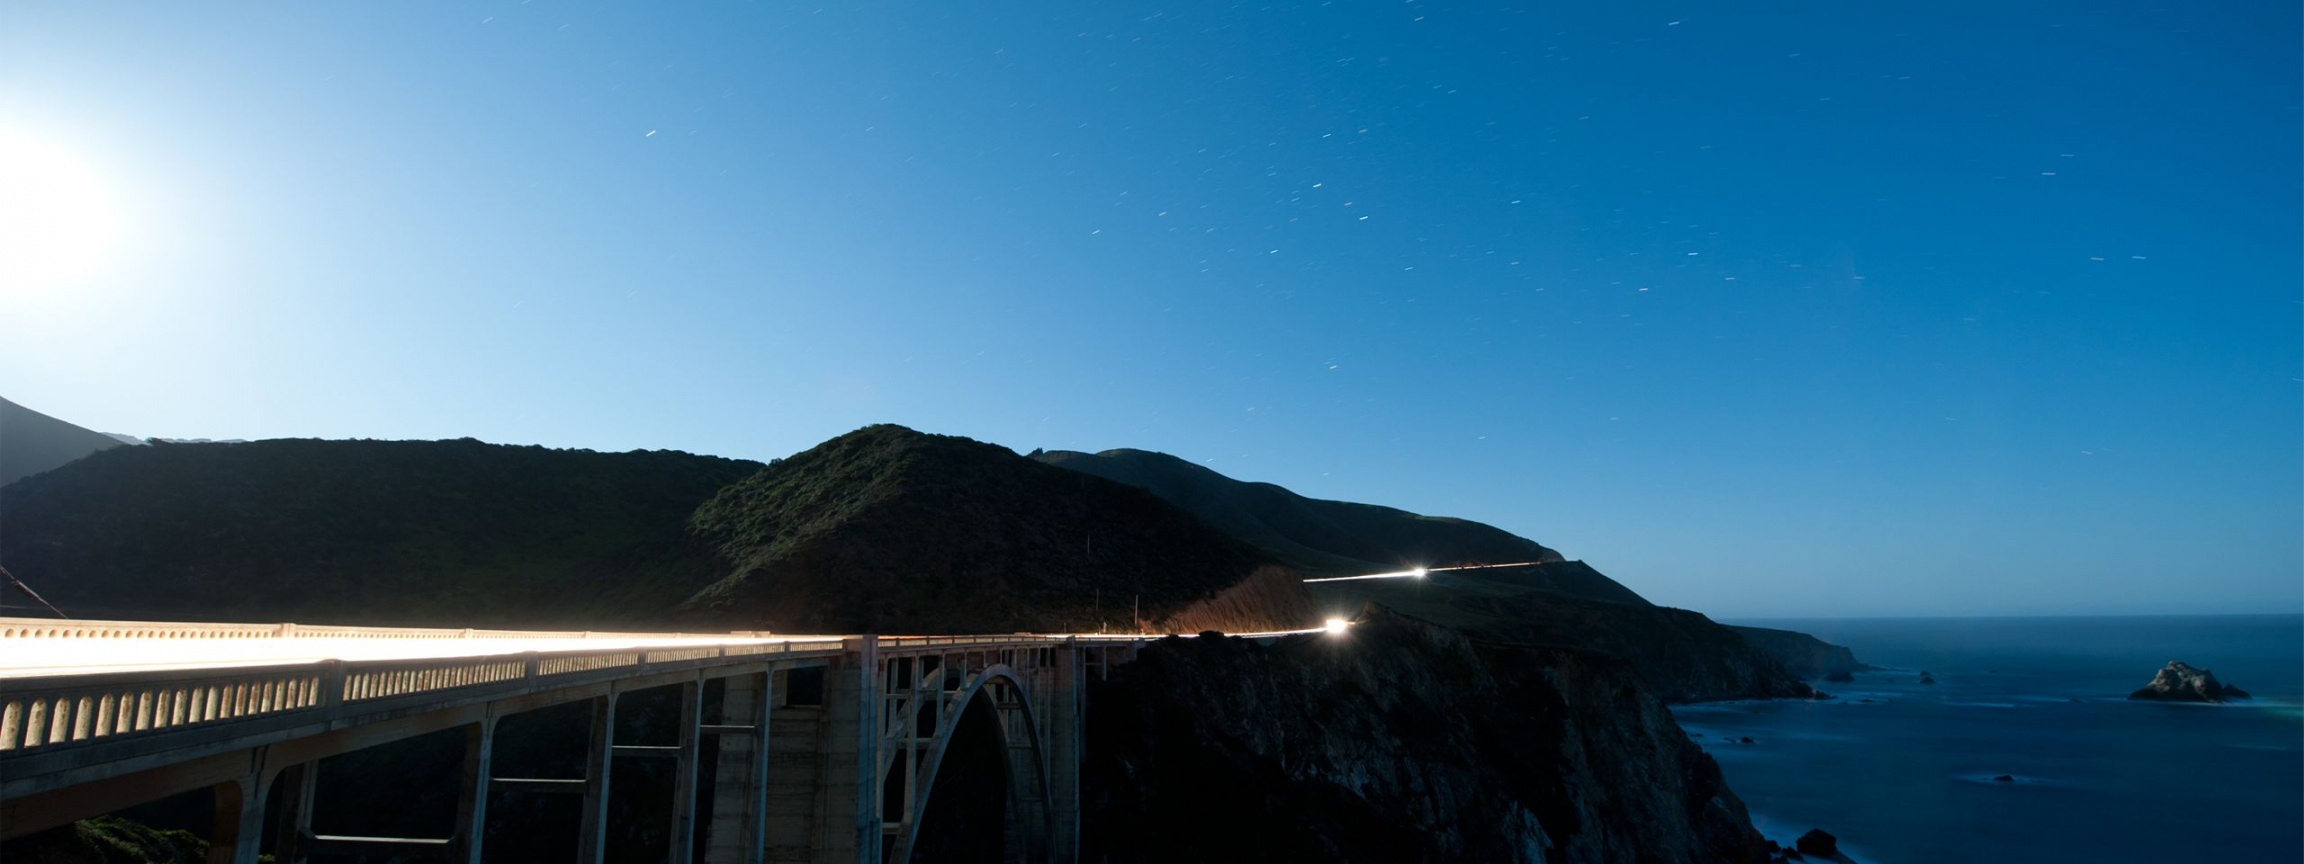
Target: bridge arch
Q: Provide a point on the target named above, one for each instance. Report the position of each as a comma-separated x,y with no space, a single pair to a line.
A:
1000,695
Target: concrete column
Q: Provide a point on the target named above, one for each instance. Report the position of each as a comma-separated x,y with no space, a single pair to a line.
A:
472,793
738,832
868,819
1066,739
847,829
800,776
599,757
238,831
684,775
297,785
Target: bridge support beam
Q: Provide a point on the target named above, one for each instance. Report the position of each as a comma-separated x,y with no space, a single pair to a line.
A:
1067,704
297,785
863,695
599,757
684,774
472,792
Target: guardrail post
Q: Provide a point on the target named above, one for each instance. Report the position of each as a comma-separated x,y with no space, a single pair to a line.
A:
599,757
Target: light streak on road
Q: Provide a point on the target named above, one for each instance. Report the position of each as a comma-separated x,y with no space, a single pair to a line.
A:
37,656
1417,573
1421,572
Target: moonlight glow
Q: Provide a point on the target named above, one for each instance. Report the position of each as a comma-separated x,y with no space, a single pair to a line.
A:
55,216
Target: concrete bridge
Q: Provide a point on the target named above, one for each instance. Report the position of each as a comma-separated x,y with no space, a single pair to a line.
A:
829,747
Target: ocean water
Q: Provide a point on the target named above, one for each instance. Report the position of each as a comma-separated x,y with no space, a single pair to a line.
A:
1909,775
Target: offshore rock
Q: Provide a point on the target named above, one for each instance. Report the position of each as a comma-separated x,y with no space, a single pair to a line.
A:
2183,682
1398,741
1819,844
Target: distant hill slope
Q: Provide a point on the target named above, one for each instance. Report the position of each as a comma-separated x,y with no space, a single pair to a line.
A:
32,442
890,530
381,532
1320,537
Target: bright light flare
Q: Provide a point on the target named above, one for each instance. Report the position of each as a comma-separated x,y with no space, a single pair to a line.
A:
1422,572
1336,626
56,217
1417,573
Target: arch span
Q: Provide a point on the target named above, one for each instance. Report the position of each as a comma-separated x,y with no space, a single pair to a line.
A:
1000,696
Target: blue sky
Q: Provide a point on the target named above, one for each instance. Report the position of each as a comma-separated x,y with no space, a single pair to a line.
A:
1948,308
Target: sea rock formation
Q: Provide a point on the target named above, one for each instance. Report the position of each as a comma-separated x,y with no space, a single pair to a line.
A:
2183,682
1818,843
1399,741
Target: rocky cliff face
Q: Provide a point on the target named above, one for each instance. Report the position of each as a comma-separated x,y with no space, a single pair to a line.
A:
1399,741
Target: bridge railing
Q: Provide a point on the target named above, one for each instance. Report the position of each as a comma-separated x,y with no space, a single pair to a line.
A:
50,628
44,712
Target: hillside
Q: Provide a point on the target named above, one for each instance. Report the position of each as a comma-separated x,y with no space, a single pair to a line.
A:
32,442
891,530
368,532
1318,537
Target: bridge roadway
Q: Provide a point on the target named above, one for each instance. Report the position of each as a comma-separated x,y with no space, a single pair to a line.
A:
828,746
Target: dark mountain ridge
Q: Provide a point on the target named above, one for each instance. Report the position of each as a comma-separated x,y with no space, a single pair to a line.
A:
365,532
880,530
32,442
1324,538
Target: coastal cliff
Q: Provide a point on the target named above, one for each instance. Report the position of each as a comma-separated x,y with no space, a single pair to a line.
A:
1400,740
1803,655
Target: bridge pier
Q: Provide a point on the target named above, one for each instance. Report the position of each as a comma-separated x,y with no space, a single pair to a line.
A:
738,830
238,832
